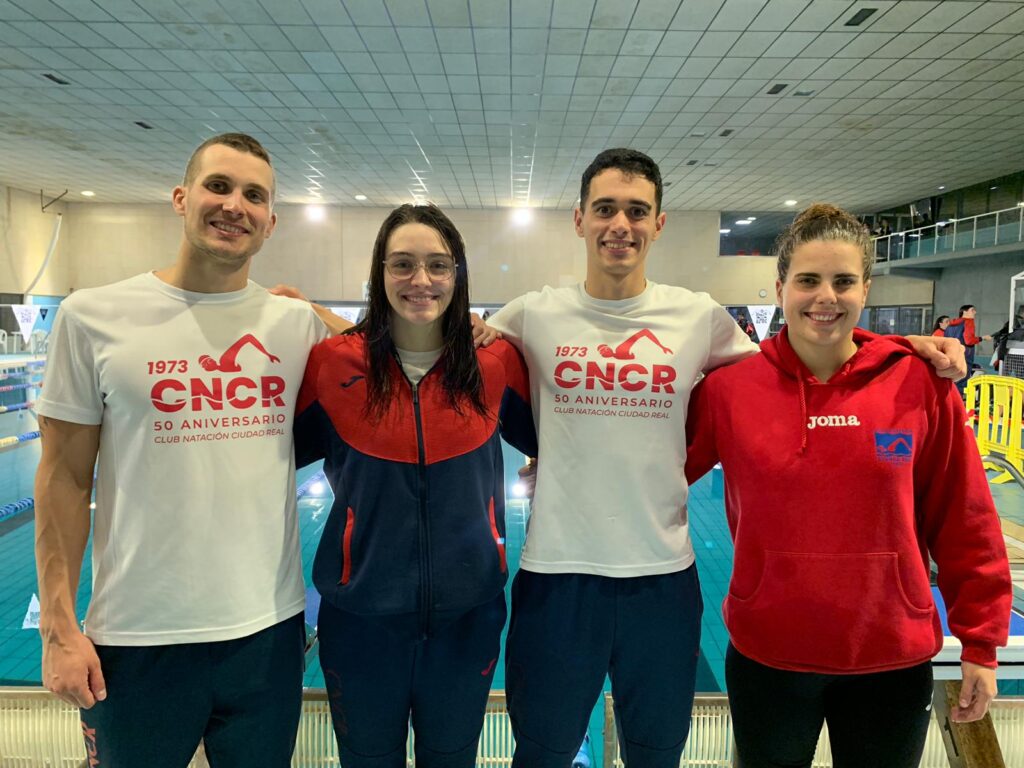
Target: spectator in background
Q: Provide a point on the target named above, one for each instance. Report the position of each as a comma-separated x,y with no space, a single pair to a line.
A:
941,322
963,328
1004,335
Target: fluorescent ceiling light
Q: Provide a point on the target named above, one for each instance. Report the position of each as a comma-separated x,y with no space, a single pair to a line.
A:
724,231
316,212
791,202
360,197
88,193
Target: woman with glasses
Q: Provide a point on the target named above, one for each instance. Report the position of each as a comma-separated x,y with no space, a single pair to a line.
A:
411,564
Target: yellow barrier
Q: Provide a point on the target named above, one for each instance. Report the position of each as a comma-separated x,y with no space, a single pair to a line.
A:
996,403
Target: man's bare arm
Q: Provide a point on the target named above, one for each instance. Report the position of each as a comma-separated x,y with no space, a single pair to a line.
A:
335,323
63,488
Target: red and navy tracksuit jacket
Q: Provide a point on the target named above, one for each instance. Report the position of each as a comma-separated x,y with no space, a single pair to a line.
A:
418,522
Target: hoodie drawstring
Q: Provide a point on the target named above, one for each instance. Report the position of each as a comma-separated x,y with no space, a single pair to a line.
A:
803,414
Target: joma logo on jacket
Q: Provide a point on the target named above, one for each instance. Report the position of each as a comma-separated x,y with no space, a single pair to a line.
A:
833,421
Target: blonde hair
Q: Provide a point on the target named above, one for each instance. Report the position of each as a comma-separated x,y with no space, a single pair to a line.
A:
823,221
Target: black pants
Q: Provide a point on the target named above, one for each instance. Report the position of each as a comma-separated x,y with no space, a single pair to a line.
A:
377,675
878,719
242,697
569,630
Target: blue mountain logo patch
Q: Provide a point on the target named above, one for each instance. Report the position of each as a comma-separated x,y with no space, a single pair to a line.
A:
894,447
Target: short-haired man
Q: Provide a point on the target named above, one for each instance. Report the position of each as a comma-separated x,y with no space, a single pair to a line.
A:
607,581
182,382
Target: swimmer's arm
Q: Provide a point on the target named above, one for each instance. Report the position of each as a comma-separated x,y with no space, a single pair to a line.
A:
63,489
946,355
335,323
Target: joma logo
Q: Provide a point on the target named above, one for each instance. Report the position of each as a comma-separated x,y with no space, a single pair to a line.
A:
833,421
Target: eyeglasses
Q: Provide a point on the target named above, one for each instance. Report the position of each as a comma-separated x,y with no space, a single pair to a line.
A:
438,268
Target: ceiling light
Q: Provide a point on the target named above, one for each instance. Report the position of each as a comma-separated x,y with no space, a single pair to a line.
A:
791,202
726,132
55,79
942,186
742,222
991,188
317,488
860,17
777,88
143,124
724,231
88,193
316,213
519,489
522,216
360,197
803,92
751,218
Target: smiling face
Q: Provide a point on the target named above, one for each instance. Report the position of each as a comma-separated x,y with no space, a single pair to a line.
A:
618,222
227,206
417,300
823,296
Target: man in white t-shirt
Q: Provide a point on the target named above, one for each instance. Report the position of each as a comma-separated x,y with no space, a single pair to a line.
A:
608,583
182,383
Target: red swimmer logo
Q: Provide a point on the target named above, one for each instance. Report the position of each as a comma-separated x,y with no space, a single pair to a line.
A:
172,395
632,377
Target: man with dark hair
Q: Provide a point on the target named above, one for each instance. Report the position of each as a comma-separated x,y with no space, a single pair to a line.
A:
182,383
608,583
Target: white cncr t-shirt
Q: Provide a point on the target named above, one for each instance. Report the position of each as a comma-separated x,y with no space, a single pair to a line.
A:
610,384
195,536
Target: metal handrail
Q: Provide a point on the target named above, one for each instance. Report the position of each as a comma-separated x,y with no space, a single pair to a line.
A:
1002,463
895,245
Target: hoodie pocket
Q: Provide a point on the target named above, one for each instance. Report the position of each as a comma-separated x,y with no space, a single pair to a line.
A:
499,542
346,547
838,613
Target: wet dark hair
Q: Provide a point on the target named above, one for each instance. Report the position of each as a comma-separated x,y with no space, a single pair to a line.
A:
461,377
964,308
938,322
822,221
631,162
242,142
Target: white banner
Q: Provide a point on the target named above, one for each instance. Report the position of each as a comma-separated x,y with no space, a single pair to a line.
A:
26,315
32,614
761,316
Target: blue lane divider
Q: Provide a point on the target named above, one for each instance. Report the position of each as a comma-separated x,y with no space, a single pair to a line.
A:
9,442
23,505
16,507
16,407
13,387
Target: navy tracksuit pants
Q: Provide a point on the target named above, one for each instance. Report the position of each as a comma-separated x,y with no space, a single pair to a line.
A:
569,630
380,672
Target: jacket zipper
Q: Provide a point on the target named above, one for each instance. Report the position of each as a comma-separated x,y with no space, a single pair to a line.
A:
424,527
425,591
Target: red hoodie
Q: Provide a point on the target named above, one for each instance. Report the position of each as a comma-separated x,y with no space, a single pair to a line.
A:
836,493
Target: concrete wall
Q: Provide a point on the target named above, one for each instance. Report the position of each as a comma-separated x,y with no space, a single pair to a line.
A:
25,235
329,259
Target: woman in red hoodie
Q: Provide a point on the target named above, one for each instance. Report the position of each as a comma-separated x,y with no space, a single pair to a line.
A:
864,469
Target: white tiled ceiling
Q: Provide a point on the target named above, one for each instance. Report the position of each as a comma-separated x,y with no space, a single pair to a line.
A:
484,103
